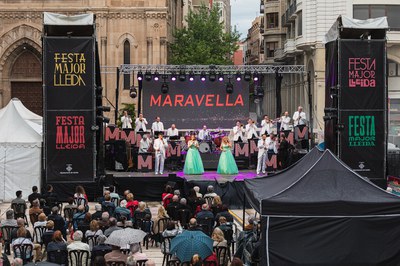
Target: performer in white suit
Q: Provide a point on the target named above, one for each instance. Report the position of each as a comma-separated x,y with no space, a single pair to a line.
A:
266,125
238,132
285,120
299,117
251,129
157,125
160,147
126,120
262,146
140,123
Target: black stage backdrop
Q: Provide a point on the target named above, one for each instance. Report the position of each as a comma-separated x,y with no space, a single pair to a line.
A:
192,104
69,92
363,106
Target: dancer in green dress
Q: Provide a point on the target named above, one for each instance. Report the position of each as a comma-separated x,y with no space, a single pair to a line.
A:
227,164
193,162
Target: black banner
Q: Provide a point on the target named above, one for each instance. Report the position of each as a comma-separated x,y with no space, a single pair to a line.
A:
363,142
362,72
192,104
69,108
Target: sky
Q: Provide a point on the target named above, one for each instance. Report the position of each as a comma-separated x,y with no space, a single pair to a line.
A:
243,13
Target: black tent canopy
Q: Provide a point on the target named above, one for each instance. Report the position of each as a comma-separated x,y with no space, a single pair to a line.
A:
328,215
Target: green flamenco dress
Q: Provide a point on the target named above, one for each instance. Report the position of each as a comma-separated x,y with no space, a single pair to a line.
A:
227,164
193,162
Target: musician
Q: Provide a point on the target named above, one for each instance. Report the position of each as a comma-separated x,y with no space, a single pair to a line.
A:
283,152
238,132
299,117
285,120
272,143
157,126
172,131
266,125
160,147
126,120
251,129
145,143
262,154
204,134
140,123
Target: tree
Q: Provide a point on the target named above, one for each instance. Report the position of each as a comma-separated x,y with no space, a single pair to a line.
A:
203,41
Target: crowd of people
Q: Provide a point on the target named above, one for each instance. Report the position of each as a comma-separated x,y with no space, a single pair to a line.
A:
80,229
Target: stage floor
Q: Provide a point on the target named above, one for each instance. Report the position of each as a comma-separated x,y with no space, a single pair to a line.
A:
207,176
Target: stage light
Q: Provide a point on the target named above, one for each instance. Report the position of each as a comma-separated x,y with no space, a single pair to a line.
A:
147,75
156,76
255,76
212,76
238,76
191,76
164,87
132,92
140,76
221,76
182,75
203,76
247,76
173,76
229,87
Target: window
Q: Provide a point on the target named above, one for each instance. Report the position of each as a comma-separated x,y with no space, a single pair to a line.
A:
272,20
270,48
373,11
127,60
300,23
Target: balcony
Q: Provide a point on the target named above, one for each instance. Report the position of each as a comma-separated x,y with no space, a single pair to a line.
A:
290,14
278,54
290,46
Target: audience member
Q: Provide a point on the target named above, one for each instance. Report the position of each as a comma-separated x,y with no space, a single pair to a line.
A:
107,205
197,190
161,214
251,223
135,252
9,221
20,223
22,239
57,243
59,222
77,244
41,220
205,213
196,260
35,208
210,192
18,199
113,227
223,224
49,193
94,230
121,210
141,212
79,216
35,195
80,193
173,229
98,212
115,255
48,234
224,212
183,205
193,226
218,237
131,204
167,196
101,246
216,205
105,221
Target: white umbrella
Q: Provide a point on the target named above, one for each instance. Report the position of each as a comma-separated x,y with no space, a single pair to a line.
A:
126,236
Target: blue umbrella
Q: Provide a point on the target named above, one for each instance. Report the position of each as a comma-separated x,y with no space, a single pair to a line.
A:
189,243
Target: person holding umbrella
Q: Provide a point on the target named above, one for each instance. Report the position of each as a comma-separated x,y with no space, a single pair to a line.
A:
115,255
189,243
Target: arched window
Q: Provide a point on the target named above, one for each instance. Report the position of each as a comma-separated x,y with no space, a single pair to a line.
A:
127,60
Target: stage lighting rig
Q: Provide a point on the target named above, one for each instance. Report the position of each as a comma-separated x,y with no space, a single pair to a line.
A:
156,76
132,92
238,76
191,76
203,76
255,76
212,76
164,88
221,76
182,75
173,76
229,87
147,75
140,76
247,76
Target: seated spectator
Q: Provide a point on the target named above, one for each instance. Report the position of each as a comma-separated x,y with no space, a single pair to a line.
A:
177,193
167,196
135,252
113,227
49,193
223,224
113,193
210,192
100,246
224,212
219,238
131,204
105,221
22,239
183,205
84,225
193,226
250,226
35,195
216,205
141,211
173,207
121,210
98,212
59,222
194,202
161,214
80,193
20,223
57,243
48,234
71,204
173,229
107,205
197,190
77,243
9,221
205,212
93,231
35,208
18,199
124,223
42,220
126,192
78,216
196,260
115,255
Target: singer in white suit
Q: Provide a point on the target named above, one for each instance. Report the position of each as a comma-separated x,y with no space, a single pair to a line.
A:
262,146
160,146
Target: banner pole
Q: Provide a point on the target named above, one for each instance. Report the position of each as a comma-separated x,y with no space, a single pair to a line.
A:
311,109
116,98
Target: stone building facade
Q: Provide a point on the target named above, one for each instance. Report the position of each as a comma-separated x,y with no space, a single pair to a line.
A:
128,31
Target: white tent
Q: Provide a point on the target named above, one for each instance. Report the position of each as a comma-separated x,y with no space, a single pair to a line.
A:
20,150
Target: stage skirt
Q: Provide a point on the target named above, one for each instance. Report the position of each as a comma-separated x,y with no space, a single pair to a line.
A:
227,164
193,162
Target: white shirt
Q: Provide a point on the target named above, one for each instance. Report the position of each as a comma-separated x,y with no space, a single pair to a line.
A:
140,124
160,146
266,126
172,132
271,144
157,126
126,122
238,133
262,147
285,120
203,133
299,118
144,145
251,129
